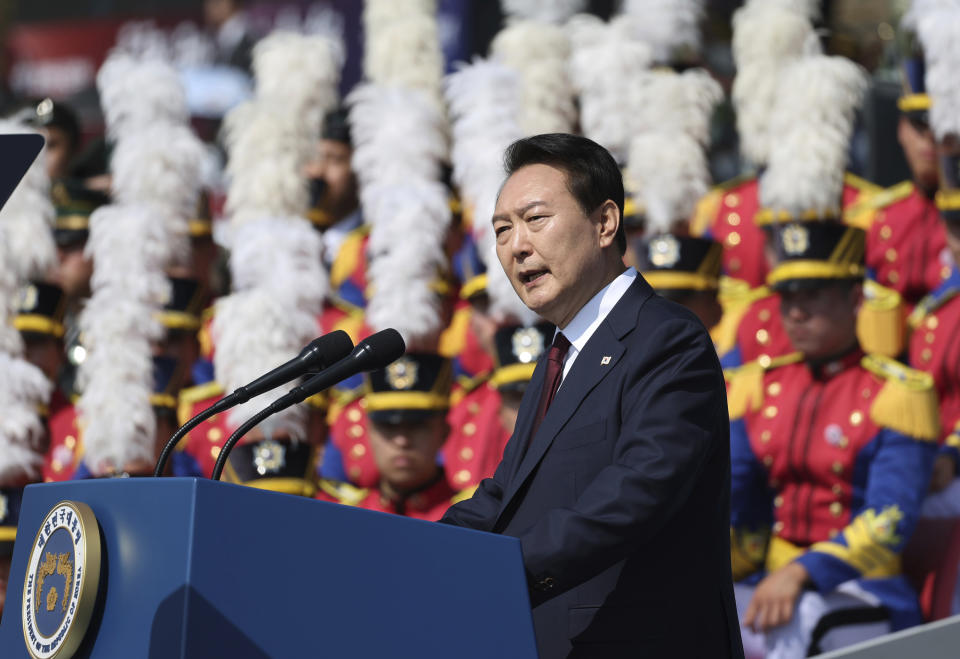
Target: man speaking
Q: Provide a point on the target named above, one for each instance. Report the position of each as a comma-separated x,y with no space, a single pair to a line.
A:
616,479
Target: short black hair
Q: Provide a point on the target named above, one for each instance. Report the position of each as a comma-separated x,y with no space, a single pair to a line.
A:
592,174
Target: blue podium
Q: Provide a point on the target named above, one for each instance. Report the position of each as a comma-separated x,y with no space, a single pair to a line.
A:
197,568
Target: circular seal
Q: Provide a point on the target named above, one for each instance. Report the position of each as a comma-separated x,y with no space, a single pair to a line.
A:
60,587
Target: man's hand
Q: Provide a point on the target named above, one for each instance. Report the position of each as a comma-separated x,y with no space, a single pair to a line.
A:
944,471
775,597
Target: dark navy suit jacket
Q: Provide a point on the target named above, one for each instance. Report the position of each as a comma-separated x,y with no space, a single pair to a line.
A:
621,498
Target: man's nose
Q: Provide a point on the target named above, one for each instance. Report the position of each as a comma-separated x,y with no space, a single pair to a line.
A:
520,246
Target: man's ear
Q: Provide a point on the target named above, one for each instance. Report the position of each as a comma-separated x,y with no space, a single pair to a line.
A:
609,218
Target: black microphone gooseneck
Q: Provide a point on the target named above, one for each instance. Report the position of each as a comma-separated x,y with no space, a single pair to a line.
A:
376,351
316,356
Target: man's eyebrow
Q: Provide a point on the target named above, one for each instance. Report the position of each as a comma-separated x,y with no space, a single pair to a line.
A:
519,211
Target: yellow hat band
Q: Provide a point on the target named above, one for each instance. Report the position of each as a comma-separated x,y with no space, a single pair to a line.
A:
39,324
199,228
406,400
803,269
673,280
178,320
948,200
511,374
914,102
767,216
473,286
73,222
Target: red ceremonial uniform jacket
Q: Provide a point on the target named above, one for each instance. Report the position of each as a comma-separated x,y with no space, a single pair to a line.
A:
477,438
428,504
64,451
935,348
906,244
727,213
760,334
833,461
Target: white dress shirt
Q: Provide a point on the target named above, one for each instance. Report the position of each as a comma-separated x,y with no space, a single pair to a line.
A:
579,330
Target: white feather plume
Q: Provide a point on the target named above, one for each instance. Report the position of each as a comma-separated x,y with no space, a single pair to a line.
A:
766,37
539,53
544,11
938,26
668,26
605,65
670,172
402,46
22,389
279,283
136,94
813,121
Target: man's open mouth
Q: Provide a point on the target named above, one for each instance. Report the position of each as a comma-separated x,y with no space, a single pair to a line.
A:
529,276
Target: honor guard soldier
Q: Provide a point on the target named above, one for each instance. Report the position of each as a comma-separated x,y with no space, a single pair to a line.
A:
906,248
831,455
482,420
40,322
406,407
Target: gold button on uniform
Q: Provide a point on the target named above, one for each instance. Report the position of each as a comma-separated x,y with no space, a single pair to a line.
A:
932,322
929,337
733,219
473,408
358,450
470,429
462,477
466,453
770,411
843,442
764,315
837,468
768,460
214,434
944,272
70,442
890,255
836,509
865,393
356,431
926,354
763,337
765,436
733,239
764,361
837,489
733,200
774,388
777,527
893,276
734,265
57,465
214,452
778,501
354,415
856,418
886,232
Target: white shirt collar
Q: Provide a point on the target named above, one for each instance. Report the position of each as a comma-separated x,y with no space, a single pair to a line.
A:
579,330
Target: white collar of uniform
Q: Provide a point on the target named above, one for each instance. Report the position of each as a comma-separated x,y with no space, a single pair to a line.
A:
579,330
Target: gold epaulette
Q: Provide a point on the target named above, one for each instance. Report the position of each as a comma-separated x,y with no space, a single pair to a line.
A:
192,395
735,299
929,304
907,402
466,385
339,399
953,439
862,212
320,401
745,391
345,493
453,339
463,495
861,184
204,334
880,325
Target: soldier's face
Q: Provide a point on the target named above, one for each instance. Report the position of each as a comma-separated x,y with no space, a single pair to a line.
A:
919,148
58,149
331,163
554,254
822,322
406,453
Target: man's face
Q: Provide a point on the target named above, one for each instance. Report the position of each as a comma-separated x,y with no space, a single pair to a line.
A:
331,163
73,271
406,453
59,150
509,409
920,150
552,252
952,229
45,352
821,322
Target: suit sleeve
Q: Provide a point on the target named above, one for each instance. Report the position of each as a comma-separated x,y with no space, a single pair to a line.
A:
673,415
480,511
870,545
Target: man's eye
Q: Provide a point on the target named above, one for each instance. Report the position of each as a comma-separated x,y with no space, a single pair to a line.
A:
500,229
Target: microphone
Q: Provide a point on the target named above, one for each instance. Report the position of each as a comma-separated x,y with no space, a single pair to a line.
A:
376,351
316,356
